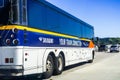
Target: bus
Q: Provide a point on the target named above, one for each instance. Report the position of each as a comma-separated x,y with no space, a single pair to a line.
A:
38,38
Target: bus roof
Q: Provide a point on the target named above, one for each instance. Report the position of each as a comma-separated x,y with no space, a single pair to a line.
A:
64,12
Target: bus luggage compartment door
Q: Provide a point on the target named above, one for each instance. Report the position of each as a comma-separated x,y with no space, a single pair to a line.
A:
30,61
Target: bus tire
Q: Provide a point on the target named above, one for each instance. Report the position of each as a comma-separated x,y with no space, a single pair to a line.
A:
59,65
49,67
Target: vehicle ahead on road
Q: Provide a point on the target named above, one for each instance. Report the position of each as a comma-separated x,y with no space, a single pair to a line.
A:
115,48
102,48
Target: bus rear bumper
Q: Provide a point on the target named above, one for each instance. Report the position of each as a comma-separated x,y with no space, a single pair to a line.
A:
17,72
6,72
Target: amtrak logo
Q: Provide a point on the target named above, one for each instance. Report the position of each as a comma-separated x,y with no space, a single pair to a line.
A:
40,38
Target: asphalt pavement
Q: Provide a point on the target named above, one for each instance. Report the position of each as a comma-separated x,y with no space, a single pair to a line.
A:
106,66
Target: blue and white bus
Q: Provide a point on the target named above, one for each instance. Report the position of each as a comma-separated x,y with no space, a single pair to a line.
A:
37,37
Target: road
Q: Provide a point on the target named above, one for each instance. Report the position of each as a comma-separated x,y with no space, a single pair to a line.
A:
106,66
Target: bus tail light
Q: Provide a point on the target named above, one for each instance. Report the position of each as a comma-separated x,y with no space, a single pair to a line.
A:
12,36
6,60
9,60
14,30
8,41
15,41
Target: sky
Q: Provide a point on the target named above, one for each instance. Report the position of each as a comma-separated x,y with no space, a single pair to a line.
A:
104,15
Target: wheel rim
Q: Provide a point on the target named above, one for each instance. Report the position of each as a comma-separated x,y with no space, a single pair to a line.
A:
60,63
49,66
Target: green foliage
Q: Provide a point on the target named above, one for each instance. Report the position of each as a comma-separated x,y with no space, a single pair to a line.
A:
106,41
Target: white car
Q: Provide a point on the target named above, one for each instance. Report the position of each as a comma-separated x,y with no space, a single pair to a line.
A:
115,48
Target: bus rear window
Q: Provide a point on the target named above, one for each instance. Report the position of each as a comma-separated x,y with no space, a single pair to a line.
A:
4,12
15,11
15,14
24,12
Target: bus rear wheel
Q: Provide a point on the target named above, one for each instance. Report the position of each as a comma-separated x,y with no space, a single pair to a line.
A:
49,67
59,65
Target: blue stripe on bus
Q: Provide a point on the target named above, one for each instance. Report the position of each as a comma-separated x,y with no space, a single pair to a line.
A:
45,40
35,39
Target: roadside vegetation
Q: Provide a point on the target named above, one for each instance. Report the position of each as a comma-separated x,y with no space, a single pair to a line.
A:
106,41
